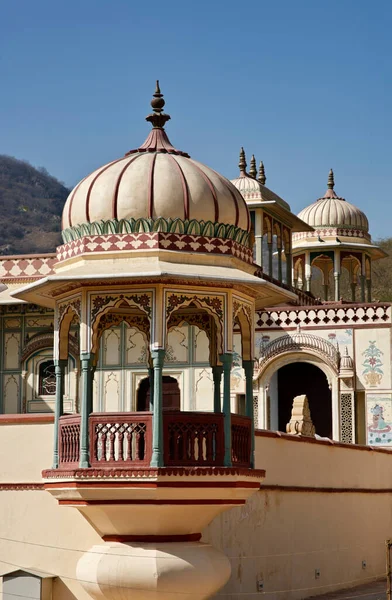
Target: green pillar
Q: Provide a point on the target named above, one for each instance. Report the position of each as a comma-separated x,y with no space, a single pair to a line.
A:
151,379
227,361
248,366
363,280
158,359
325,286
59,367
85,408
217,371
308,283
353,289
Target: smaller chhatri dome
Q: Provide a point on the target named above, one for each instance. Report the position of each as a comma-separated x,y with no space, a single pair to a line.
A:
154,181
252,188
332,211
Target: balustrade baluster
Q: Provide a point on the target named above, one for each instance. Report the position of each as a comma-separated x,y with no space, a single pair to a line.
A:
103,446
120,442
192,445
209,446
137,457
112,439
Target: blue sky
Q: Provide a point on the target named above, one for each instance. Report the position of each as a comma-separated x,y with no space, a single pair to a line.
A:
305,85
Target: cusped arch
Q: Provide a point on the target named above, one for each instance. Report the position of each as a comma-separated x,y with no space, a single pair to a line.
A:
299,347
210,309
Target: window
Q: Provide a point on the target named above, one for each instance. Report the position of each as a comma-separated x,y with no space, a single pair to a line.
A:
47,379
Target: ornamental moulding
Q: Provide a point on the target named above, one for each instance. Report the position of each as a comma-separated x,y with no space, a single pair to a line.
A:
143,225
301,342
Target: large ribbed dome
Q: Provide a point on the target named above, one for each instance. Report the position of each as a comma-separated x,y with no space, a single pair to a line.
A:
154,181
332,211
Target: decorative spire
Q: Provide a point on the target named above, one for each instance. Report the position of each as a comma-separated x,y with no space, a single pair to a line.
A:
331,180
157,140
242,163
253,170
262,177
158,118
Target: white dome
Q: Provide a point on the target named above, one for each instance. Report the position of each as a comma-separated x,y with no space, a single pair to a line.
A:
332,211
154,181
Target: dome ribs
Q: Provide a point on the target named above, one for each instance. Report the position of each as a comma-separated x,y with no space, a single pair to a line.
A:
71,199
212,190
115,194
236,208
151,188
92,185
185,189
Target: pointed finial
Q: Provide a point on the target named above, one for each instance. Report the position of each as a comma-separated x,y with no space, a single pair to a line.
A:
158,117
253,170
331,180
262,177
242,163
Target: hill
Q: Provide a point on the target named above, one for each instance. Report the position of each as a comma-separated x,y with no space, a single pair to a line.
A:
31,203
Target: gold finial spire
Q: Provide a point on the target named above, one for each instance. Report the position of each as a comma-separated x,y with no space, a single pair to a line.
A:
158,117
262,177
253,170
331,180
242,163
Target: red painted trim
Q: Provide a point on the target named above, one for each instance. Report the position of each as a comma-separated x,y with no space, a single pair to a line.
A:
151,188
137,483
184,184
129,474
21,487
92,185
212,190
169,502
151,539
305,328
115,195
26,418
71,202
237,210
308,440
323,490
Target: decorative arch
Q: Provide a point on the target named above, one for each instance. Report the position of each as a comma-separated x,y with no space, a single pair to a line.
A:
212,305
242,315
306,356
66,315
102,318
43,341
277,230
267,228
140,322
300,344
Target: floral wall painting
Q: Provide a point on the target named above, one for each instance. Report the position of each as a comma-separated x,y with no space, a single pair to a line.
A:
379,419
372,364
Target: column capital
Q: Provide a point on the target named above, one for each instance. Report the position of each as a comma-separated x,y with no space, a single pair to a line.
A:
226,359
158,357
60,362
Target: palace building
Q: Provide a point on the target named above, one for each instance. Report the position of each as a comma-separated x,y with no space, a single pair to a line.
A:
148,374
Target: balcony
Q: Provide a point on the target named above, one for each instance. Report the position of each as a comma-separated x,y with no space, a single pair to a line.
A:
190,439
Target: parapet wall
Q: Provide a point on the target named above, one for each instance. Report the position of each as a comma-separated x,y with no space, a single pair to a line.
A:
323,506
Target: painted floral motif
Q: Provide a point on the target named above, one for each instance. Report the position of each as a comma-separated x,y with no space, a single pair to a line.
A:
372,365
213,302
236,371
75,304
143,301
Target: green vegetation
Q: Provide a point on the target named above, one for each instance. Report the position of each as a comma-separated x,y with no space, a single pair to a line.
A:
31,203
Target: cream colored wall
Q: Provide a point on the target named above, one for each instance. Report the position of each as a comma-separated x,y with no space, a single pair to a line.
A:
280,536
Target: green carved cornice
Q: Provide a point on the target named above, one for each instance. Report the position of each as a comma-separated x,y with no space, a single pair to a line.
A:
143,225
